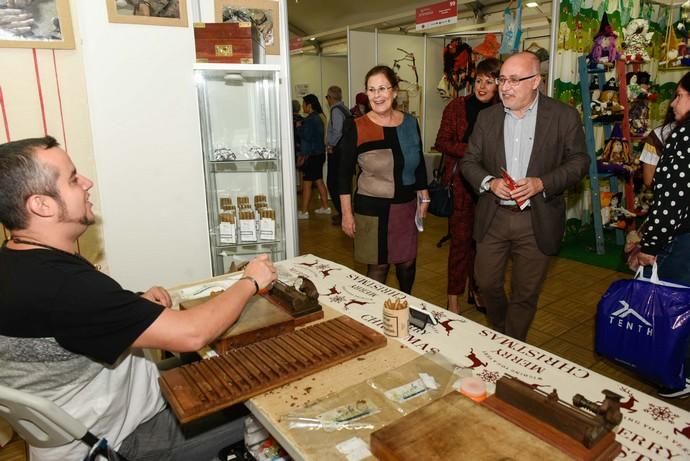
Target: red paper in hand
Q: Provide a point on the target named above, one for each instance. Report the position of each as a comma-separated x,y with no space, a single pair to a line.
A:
511,185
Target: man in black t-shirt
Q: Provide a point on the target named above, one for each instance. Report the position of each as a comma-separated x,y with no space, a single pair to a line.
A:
66,328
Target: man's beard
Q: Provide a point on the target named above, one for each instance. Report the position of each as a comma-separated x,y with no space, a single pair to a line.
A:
63,218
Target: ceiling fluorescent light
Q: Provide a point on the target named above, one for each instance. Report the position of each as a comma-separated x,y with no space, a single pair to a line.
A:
531,4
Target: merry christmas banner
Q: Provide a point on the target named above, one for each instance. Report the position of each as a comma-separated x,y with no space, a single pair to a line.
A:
651,428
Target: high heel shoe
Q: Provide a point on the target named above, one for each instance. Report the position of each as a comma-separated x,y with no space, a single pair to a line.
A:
473,298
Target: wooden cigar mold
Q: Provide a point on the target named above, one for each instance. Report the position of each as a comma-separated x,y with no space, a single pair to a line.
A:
210,385
583,430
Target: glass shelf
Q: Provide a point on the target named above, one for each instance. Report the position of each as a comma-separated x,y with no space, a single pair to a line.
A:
244,166
240,127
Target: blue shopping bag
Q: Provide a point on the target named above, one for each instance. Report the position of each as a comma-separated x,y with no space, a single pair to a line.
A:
644,324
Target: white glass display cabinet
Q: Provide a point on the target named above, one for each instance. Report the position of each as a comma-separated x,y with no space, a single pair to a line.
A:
240,132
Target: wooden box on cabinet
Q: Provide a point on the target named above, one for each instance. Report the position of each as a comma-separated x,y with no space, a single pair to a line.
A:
229,42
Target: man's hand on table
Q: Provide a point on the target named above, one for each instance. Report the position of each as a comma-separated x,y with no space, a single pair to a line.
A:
263,271
158,295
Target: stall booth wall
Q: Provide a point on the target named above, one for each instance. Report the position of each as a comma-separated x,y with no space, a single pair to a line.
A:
147,148
362,56
124,106
315,73
433,103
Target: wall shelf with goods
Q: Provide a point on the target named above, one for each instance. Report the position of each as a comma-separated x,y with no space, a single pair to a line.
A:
596,175
243,161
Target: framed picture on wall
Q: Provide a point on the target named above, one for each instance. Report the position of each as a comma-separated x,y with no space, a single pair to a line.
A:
36,24
150,12
262,13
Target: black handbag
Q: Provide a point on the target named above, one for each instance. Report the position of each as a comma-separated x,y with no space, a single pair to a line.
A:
441,195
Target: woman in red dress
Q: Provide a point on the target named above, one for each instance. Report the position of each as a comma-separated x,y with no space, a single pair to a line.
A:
455,130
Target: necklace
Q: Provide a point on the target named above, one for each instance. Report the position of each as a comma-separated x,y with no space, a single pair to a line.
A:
49,247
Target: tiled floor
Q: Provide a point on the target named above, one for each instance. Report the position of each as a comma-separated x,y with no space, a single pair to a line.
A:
564,323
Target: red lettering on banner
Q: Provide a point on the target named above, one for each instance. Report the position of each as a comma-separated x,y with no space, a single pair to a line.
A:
414,341
653,447
528,351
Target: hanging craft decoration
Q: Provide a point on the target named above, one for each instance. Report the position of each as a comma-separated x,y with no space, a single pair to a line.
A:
604,52
617,154
512,30
677,40
577,5
673,49
606,107
488,48
409,89
636,39
458,68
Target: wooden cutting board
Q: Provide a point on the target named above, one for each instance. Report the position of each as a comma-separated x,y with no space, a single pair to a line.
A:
261,319
455,427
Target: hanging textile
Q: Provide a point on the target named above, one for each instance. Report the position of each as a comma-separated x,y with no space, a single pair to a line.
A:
458,68
512,30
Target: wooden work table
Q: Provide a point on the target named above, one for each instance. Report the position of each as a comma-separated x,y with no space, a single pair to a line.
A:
651,428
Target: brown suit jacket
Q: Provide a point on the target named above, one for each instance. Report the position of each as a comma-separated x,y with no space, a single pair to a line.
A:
559,157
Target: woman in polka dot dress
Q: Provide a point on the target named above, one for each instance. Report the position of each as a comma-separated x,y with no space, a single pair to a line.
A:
666,239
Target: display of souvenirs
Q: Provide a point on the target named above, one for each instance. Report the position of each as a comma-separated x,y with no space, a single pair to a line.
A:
617,149
226,203
612,213
247,226
605,105
249,152
639,86
228,228
243,202
604,50
636,39
512,29
487,48
267,224
458,68
643,201
638,116
617,156
676,49
259,198
244,222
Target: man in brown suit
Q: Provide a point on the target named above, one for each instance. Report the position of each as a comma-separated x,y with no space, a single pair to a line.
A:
540,143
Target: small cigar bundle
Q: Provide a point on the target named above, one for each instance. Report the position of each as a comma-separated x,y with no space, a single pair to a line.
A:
267,213
395,304
226,203
246,214
259,198
227,217
243,202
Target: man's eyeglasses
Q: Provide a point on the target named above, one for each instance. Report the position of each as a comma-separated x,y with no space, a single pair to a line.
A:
381,89
513,81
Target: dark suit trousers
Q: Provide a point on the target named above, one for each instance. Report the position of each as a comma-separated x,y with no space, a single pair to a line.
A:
510,236
332,178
